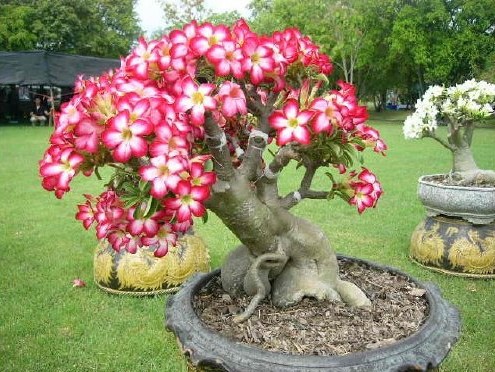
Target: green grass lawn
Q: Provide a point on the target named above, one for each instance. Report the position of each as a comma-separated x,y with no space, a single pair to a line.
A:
47,325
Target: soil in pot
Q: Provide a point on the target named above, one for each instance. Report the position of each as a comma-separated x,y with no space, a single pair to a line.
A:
447,180
312,327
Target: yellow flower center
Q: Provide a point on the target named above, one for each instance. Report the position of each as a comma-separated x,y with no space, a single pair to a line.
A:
329,112
186,199
255,58
163,170
126,134
293,123
197,98
212,40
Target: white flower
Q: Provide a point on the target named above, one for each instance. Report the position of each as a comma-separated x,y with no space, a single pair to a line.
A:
464,102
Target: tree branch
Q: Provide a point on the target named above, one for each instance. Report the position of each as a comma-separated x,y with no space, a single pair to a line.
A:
217,143
258,139
293,198
304,191
440,140
267,184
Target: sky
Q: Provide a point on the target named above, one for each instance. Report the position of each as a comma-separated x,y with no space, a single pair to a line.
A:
151,14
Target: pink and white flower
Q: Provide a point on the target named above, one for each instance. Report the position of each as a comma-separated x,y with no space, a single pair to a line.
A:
164,173
125,136
291,124
258,60
164,238
233,99
196,98
188,201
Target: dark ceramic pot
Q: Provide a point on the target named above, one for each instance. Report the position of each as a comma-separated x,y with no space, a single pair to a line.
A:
210,351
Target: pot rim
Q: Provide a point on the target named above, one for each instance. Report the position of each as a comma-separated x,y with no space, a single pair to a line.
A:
422,180
436,315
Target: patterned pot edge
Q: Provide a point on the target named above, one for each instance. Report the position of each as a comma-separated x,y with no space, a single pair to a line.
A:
453,246
136,293
450,272
420,351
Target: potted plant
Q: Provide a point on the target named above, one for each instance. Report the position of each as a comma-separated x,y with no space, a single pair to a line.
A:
458,234
188,124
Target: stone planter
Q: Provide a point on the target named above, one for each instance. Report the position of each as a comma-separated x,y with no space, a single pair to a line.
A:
210,351
473,204
143,274
458,235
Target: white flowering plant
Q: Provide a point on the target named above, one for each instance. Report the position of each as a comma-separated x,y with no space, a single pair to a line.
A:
459,107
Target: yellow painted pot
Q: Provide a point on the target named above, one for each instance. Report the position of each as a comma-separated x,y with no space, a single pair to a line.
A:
455,246
144,274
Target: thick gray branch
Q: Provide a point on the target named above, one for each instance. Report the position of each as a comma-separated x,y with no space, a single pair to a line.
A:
216,142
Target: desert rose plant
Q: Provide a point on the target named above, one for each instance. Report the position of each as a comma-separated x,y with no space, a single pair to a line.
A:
208,117
459,107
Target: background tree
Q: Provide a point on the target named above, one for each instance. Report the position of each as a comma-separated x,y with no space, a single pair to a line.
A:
178,13
95,27
15,33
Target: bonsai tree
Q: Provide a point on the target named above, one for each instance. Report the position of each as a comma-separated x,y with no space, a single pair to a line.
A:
208,117
459,107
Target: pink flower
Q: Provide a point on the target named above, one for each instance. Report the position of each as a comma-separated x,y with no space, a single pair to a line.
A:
78,283
169,142
147,226
60,166
162,240
258,60
208,36
327,116
164,173
195,98
363,196
233,99
125,136
198,176
367,190
87,133
291,124
227,59
188,201
86,212
140,58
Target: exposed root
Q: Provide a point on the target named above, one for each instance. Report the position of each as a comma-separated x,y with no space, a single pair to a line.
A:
256,281
352,295
474,177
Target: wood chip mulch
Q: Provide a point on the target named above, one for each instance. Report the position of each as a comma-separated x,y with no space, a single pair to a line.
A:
399,307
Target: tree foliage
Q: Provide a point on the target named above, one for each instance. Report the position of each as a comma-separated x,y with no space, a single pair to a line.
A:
386,44
94,27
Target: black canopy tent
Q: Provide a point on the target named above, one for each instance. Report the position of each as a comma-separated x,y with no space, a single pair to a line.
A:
49,68
42,68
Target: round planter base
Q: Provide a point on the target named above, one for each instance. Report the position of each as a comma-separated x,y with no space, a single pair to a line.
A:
142,274
454,246
210,351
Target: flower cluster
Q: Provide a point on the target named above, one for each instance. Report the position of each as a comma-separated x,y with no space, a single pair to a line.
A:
147,118
458,104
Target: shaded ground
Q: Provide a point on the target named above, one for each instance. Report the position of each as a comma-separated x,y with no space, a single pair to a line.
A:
322,328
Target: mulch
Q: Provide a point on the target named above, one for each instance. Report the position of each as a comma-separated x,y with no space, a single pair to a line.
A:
312,327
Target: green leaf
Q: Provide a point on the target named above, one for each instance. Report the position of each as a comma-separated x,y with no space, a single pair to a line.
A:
205,217
330,175
151,207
